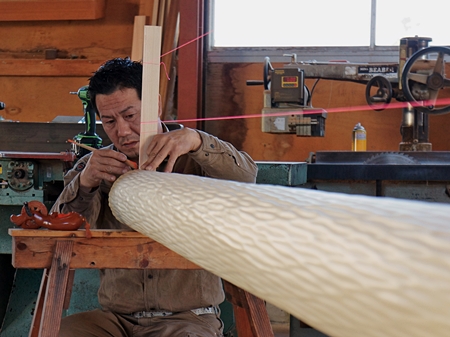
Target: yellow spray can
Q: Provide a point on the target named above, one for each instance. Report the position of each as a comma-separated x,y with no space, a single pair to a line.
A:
359,142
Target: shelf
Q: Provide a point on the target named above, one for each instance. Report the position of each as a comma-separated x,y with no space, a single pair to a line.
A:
39,10
51,68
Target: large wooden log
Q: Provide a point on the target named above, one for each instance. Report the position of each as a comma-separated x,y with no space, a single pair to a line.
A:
347,265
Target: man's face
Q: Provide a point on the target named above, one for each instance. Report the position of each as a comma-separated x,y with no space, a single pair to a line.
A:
120,113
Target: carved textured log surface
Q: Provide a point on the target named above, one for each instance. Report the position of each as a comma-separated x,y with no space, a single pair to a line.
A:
347,265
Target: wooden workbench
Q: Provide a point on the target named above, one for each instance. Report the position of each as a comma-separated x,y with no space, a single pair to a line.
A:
60,252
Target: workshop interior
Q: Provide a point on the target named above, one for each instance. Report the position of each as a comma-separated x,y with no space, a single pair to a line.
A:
375,126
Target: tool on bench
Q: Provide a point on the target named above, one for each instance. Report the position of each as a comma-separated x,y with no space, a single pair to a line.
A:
89,137
35,215
132,164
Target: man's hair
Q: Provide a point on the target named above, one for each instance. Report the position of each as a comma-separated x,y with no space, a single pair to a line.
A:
115,74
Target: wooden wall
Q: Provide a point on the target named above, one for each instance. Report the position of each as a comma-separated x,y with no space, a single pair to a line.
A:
228,95
37,90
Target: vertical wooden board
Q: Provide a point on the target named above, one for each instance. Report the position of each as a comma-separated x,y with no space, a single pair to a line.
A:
162,11
56,289
138,37
189,63
169,43
150,88
155,13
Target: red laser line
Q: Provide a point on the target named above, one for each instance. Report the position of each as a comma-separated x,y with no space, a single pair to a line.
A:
171,51
445,101
185,44
165,70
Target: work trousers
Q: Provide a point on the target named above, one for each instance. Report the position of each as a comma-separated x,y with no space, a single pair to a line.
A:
99,323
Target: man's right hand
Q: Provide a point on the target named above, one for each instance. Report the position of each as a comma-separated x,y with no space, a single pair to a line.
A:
104,164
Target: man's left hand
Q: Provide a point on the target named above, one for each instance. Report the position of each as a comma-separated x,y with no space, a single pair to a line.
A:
170,145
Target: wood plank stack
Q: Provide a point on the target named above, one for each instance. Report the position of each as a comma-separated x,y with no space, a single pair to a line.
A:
163,13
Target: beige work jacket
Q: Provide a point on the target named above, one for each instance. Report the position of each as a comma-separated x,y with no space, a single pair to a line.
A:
126,291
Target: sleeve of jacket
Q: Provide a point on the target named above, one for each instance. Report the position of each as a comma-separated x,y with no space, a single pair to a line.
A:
74,199
221,160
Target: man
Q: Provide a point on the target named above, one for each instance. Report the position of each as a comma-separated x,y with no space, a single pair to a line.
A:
144,303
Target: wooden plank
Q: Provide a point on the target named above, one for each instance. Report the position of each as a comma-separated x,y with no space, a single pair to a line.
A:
234,295
96,233
257,315
170,41
250,312
50,68
101,251
242,322
56,289
190,59
138,37
36,322
150,88
68,293
38,10
161,13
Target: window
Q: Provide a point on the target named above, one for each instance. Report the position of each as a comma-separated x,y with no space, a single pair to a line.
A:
286,23
354,30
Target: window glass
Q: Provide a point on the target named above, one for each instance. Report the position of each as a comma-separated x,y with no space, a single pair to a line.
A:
331,23
286,23
408,18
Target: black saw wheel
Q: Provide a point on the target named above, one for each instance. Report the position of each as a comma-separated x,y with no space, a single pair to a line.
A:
423,79
380,97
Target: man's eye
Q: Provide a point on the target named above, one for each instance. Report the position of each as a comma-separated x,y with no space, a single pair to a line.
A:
109,122
129,116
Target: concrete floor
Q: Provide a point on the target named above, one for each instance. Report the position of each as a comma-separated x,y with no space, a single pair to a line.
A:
280,330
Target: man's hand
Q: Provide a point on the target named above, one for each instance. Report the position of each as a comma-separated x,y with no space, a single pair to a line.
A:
104,164
170,145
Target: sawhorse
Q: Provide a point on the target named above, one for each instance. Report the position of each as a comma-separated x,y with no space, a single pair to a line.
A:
59,253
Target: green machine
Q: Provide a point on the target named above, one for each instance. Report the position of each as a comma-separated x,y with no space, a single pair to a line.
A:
89,136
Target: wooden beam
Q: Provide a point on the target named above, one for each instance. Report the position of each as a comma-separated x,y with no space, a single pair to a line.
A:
161,12
38,10
138,37
54,300
190,59
150,88
35,249
170,41
249,311
36,322
335,263
155,13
